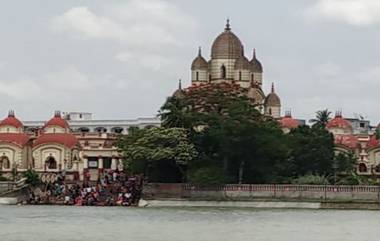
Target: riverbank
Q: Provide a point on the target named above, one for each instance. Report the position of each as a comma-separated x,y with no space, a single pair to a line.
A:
260,204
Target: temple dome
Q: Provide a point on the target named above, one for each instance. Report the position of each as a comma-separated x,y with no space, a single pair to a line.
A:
199,63
256,65
57,120
227,45
11,120
288,122
256,94
339,122
272,99
179,93
242,63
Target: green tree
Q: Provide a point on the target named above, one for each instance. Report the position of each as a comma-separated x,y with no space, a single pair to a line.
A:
312,151
345,163
32,177
174,113
322,118
234,138
159,153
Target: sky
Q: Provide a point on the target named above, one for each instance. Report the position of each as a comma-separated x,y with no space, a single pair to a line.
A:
121,59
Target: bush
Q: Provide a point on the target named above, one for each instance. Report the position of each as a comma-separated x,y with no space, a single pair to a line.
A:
311,179
32,177
207,175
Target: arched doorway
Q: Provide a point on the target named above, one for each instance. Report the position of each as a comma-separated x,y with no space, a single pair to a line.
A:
51,163
362,167
5,163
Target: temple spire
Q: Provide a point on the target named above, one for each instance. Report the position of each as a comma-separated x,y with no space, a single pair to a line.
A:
11,113
199,51
254,53
57,113
338,114
272,89
228,26
180,84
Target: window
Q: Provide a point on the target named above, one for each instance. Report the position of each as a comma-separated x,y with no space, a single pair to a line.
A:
362,124
117,130
197,76
84,130
51,163
92,162
80,116
252,77
223,72
362,167
240,75
101,129
270,111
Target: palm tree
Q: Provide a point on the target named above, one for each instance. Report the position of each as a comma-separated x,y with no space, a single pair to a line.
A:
173,113
322,118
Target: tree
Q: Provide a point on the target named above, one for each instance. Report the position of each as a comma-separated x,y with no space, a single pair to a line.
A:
32,177
322,118
345,163
174,113
159,153
344,166
312,151
235,139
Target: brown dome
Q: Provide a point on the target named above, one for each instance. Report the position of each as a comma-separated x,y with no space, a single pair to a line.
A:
179,93
256,66
199,63
256,94
272,99
242,63
227,45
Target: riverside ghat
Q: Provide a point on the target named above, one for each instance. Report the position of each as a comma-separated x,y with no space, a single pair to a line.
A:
81,161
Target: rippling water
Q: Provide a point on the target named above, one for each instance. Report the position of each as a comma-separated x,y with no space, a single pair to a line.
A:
49,223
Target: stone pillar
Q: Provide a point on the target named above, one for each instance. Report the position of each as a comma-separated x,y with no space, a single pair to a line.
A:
114,163
100,164
83,172
85,163
120,166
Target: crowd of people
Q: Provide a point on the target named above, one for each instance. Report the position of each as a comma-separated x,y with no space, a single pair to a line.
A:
113,188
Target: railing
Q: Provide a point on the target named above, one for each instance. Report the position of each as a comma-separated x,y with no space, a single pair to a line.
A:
9,186
279,188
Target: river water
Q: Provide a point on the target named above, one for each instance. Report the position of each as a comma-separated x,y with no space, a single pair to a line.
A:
50,223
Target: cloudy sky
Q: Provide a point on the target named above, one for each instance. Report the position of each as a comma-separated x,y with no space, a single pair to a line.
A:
120,59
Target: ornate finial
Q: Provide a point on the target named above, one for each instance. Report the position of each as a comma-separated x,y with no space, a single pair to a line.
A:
228,26
254,53
199,51
272,87
57,113
180,84
338,114
11,113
